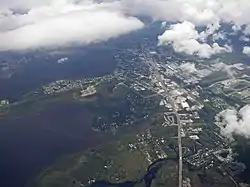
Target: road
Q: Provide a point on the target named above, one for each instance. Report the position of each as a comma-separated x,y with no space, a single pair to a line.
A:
180,147
159,78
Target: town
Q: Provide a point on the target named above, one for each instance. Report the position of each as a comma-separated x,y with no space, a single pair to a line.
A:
189,89
174,101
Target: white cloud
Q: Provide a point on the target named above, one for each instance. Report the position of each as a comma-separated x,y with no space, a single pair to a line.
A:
63,24
246,50
62,60
219,36
236,122
210,31
208,13
23,4
185,38
188,67
199,12
247,30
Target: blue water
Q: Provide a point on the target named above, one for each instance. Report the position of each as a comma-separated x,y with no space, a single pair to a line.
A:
30,144
146,181
44,68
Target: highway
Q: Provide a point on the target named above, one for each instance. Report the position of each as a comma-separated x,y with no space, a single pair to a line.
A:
159,78
179,147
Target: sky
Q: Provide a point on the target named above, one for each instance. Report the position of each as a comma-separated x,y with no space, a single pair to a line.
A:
34,24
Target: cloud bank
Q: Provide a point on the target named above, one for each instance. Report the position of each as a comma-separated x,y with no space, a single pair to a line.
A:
199,12
29,24
185,38
61,24
207,13
236,122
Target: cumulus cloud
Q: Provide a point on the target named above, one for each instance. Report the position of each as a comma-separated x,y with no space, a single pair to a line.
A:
63,23
235,122
229,69
210,14
199,12
185,38
23,4
207,13
62,60
210,31
246,50
49,22
247,30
